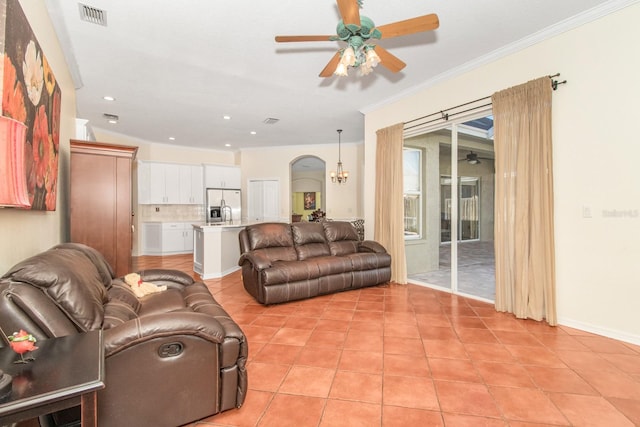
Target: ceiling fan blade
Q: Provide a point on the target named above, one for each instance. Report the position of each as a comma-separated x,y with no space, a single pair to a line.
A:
287,39
410,26
349,10
389,60
331,66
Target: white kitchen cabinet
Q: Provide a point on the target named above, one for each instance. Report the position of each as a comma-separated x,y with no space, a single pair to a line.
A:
158,183
217,176
191,184
151,238
170,183
164,238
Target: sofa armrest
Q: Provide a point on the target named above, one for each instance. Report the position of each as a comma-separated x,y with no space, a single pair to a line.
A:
371,246
147,328
258,261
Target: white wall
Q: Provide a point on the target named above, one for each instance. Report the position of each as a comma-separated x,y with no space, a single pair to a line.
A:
24,233
342,201
595,155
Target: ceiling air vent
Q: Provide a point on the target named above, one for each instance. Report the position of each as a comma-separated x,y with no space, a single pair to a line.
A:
270,121
93,15
111,118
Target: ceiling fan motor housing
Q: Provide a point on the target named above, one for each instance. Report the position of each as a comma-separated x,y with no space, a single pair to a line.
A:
366,30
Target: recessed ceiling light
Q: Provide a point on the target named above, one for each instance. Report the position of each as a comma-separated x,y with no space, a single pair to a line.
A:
171,138
226,117
253,132
227,145
108,98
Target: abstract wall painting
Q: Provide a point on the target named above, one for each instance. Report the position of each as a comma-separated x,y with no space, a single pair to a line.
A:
30,96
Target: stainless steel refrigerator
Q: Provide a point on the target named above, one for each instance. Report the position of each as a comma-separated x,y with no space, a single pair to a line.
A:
224,204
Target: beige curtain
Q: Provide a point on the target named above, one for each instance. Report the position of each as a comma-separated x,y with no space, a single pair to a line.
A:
389,201
524,234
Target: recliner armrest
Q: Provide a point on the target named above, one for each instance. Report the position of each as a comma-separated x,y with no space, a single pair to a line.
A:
146,328
259,262
371,246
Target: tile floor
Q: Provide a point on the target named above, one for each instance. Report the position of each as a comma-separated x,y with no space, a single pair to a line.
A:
397,355
476,270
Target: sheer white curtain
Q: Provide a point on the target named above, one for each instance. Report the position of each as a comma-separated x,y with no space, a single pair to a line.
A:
524,229
389,200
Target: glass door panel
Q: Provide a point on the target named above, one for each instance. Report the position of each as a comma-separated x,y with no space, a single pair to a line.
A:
476,171
454,248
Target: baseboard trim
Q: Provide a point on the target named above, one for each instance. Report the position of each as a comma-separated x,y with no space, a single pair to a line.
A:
599,330
563,321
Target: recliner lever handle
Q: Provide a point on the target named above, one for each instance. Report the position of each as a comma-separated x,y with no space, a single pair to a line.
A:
171,349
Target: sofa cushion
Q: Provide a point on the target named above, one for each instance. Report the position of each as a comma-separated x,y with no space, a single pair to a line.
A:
330,265
269,235
101,264
272,240
121,291
123,305
309,240
368,261
342,237
71,280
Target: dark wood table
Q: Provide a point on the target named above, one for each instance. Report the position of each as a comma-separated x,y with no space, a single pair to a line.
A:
68,371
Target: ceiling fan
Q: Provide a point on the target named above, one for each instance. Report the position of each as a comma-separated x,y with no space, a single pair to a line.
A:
357,30
473,159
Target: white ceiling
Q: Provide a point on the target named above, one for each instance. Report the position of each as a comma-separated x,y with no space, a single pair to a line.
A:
176,67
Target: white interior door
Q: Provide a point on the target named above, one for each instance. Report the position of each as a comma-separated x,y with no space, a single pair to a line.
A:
263,200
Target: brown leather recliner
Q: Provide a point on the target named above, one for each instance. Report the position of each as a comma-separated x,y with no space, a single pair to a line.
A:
70,289
284,262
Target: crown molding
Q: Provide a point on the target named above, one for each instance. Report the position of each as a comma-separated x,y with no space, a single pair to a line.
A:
568,24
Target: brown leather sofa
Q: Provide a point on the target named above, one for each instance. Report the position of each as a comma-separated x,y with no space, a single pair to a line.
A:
171,357
285,262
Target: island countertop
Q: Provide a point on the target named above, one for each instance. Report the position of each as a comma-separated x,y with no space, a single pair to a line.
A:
219,225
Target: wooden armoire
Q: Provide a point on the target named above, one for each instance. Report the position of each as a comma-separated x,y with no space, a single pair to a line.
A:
101,206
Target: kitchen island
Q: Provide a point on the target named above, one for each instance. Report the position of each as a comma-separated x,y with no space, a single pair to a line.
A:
216,249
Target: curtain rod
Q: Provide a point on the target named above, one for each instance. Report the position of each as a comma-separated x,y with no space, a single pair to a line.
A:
443,115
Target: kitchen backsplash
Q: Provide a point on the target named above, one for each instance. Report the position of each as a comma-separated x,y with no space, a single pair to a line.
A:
170,213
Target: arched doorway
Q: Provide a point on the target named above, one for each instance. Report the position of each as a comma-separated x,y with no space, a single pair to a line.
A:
308,180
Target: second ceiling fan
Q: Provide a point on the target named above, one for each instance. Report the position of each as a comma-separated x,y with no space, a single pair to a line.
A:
356,31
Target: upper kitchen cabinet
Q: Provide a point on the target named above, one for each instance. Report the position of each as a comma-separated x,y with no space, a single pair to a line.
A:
169,183
100,200
191,185
217,176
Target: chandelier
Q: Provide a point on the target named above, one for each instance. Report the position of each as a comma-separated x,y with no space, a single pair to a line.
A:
339,175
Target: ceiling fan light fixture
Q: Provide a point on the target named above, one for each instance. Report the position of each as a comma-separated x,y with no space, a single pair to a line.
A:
356,30
365,69
348,57
372,58
341,70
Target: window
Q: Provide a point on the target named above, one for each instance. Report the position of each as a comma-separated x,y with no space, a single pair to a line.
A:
412,171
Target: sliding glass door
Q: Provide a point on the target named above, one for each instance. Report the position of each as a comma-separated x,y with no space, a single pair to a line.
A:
449,238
